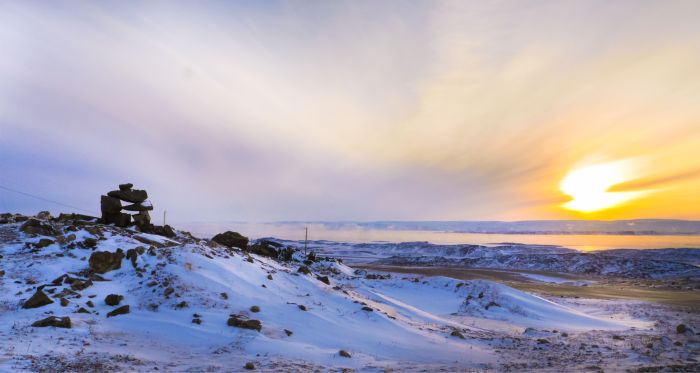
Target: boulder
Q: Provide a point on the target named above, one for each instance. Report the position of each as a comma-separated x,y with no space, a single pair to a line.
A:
324,279
110,205
123,310
132,255
126,186
58,322
133,196
142,218
264,248
34,226
44,215
43,243
105,261
344,353
241,322
113,299
231,239
39,299
138,207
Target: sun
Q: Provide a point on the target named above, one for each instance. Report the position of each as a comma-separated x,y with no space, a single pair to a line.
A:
589,186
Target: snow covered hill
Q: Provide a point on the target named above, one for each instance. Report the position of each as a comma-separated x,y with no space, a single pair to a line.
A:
119,299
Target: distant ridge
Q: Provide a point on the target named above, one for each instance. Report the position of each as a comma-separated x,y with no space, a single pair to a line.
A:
616,227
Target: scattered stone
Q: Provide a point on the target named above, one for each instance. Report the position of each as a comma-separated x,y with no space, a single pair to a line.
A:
34,226
90,243
304,269
255,309
132,255
368,309
182,304
123,310
44,215
681,328
64,302
324,279
344,353
269,277
224,295
288,332
39,299
82,310
231,239
197,321
113,299
168,291
542,341
249,366
105,261
43,243
79,285
58,322
241,322
265,248
301,307
90,304
457,333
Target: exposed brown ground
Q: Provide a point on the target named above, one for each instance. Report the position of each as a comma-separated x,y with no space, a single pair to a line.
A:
604,288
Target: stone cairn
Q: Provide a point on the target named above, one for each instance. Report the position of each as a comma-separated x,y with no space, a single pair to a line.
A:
111,206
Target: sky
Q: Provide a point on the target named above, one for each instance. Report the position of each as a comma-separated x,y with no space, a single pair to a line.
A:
357,110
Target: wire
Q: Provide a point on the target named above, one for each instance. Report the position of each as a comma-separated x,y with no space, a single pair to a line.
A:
44,199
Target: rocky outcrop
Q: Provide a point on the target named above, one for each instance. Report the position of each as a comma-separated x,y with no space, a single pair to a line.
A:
240,321
123,310
231,239
35,226
105,261
265,248
111,206
39,299
55,321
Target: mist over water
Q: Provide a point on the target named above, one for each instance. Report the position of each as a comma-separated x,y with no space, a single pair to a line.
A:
317,231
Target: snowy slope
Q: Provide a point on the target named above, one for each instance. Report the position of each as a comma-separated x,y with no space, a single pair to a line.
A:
392,322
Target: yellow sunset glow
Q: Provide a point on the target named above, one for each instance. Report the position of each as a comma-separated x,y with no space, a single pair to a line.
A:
589,186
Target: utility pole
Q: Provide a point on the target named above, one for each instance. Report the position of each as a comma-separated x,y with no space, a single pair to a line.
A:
306,238
164,217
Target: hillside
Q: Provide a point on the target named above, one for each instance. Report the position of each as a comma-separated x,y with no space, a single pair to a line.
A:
120,299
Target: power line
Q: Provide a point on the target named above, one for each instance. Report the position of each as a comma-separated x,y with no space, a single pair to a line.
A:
44,199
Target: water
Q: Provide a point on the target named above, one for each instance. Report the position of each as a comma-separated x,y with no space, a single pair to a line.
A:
293,231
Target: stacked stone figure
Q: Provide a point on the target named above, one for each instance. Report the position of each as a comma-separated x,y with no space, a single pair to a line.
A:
111,206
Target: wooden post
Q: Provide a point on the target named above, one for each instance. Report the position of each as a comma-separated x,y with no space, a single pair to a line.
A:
306,238
164,217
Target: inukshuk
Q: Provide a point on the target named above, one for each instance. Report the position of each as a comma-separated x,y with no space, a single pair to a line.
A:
112,207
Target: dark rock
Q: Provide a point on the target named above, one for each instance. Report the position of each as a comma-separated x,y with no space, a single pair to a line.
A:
113,299
44,215
79,285
542,341
224,295
324,279
304,269
168,291
301,307
231,239
90,243
682,328
123,310
109,205
265,248
132,255
197,321
165,231
457,333
105,261
254,309
82,310
64,302
142,219
249,366
344,353
34,226
288,332
138,207
241,322
39,299
182,304
269,277
126,186
133,196
90,304
58,322
43,243
368,309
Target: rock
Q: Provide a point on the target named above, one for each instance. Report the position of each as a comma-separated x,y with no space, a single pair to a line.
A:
39,299
344,353
79,285
90,304
542,341
457,333
113,299
142,218
182,304
64,302
682,328
288,332
168,291
82,310
166,231
131,195
301,307
43,243
264,248
231,239
368,309
132,255
324,279
34,226
138,207
105,261
90,243
123,310
44,215
58,322
304,269
110,205
224,295
126,186
249,366
241,322
255,309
